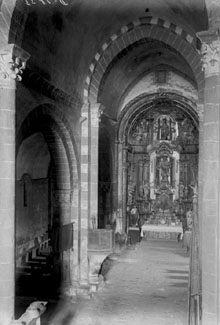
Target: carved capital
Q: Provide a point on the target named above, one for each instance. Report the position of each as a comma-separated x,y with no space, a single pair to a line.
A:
210,57
12,63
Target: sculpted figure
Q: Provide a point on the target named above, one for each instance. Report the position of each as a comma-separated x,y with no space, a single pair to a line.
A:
165,130
165,169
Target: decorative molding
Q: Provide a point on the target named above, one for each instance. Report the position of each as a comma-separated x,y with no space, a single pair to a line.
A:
12,63
210,57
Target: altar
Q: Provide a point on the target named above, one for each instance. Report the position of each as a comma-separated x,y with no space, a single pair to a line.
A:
162,232
160,167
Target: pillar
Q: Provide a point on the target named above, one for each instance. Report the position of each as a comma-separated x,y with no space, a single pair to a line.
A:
94,112
211,181
62,208
200,109
84,198
12,61
124,188
89,183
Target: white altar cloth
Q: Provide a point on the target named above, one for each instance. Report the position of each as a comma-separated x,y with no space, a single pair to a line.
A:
163,228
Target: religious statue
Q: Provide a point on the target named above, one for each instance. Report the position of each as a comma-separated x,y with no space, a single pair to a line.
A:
138,134
189,220
131,192
145,130
165,130
165,169
181,190
194,188
134,216
146,189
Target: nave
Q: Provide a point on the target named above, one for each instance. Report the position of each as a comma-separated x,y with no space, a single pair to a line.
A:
146,284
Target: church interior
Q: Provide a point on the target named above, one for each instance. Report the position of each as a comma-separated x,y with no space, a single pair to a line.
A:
109,116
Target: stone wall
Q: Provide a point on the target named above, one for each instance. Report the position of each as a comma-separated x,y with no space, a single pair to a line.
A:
31,212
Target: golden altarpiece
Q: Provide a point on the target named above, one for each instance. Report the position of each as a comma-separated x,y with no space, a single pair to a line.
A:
160,163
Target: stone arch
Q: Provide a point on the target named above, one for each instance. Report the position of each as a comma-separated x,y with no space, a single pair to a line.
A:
47,114
138,107
140,29
63,186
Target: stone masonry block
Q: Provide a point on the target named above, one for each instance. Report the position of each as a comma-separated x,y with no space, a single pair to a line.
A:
211,132
209,303
211,171
132,36
84,159
211,191
84,168
84,186
120,43
172,38
212,95
94,81
108,55
210,211
92,97
138,33
209,318
7,190
166,34
161,33
7,208
6,255
7,169
146,31
7,272
156,32
6,288
7,137
93,89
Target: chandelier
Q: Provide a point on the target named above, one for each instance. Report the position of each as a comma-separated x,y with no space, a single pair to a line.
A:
44,2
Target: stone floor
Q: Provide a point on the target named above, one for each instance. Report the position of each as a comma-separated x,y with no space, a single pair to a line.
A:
146,284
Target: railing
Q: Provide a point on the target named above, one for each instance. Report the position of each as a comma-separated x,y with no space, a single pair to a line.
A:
100,240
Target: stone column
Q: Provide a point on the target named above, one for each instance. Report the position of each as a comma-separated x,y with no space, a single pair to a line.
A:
200,110
118,167
211,181
124,188
84,198
12,61
62,212
93,163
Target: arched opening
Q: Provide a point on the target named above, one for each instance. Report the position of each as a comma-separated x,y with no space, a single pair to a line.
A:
148,93
159,141
44,213
33,211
